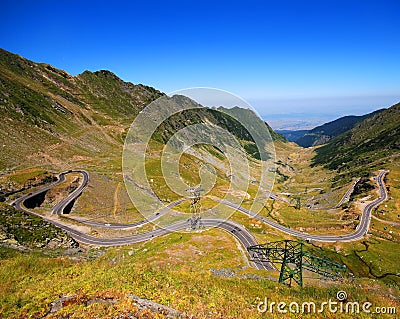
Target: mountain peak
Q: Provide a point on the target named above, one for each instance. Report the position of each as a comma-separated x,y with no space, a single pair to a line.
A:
107,74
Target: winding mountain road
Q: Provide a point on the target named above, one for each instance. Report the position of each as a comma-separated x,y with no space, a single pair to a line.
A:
361,229
245,238
346,196
58,209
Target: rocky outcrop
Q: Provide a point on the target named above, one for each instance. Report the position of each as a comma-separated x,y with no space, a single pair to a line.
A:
22,231
141,308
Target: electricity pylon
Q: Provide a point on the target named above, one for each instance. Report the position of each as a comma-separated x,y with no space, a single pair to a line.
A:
294,259
195,208
298,203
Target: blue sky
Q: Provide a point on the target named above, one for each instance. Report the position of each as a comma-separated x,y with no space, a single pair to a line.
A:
327,58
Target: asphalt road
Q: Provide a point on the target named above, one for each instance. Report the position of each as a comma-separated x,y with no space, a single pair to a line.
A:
60,206
245,238
346,196
152,218
361,229
18,202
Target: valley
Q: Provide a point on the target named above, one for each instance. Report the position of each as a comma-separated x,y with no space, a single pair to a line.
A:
70,226
187,255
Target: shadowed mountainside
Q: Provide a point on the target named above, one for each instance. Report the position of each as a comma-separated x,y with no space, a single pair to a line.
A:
53,119
324,133
368,145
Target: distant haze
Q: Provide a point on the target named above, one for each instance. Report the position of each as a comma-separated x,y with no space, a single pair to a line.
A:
299,114
295,122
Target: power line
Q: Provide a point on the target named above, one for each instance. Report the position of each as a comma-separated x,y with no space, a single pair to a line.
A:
293,259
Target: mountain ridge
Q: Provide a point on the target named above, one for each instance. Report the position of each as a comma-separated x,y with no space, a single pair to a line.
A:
367,146
50,115
322,134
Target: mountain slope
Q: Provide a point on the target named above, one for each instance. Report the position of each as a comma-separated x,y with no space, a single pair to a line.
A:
369,144
49,115
324,133
292,136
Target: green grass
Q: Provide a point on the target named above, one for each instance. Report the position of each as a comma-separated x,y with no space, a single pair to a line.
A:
173,270
21,177
390,210
159,271
26,229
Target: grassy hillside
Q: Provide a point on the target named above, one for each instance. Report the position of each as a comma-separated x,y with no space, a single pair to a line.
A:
292,136
49,115
221,118
23,231
324,133
188,273
53,121
370,144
